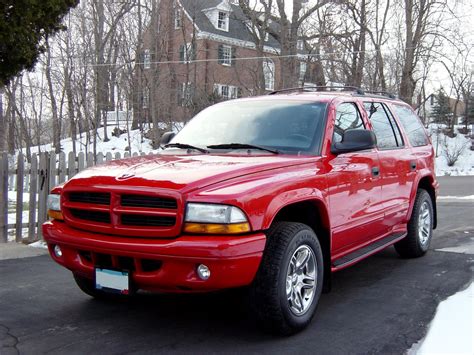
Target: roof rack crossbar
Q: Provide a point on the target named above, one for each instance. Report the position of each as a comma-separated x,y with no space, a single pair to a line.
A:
359,91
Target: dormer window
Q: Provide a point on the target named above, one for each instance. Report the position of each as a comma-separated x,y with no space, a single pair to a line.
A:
223,21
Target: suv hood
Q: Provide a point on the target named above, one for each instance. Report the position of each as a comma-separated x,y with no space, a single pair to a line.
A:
184,173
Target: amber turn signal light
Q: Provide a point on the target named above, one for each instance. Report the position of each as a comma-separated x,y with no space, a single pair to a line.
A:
212,228
55,215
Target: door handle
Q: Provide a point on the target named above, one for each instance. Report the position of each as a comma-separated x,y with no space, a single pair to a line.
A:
375,171
412,165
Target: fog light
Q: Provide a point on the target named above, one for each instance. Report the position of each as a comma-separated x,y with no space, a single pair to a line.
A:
57,251
203,272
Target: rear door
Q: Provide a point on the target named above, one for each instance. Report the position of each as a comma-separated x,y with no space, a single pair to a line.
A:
356,211
397,164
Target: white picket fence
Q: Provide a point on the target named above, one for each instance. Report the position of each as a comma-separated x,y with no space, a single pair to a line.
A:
34,178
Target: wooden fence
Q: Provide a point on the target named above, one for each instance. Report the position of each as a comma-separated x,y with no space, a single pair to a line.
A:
34,178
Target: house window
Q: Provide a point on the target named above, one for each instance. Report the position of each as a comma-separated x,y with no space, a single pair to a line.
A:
146,59
223,21
300,45
225,54
178,18
186,94
187,52
146,98
303,67
227,91
269,74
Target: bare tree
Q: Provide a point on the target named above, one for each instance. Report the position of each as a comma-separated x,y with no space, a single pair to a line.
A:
421,20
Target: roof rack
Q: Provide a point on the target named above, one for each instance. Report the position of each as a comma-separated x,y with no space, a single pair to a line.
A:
383,93
357,90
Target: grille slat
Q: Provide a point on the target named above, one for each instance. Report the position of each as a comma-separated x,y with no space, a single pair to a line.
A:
149,221
148,201
93,216
99,198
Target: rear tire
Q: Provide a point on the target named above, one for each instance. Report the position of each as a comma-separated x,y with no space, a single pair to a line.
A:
420,228
289,282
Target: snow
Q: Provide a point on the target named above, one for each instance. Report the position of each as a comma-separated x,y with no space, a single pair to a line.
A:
114,145
12,196
465,164
452,329
41,244
469,197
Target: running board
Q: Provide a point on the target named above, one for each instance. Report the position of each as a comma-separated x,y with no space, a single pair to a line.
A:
364,252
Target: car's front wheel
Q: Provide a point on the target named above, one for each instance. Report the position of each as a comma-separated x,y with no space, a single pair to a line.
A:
288,285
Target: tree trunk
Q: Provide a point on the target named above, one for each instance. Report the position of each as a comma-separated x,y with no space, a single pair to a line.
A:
3,125
54,106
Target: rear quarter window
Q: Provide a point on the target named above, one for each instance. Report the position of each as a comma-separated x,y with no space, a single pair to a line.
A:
412,126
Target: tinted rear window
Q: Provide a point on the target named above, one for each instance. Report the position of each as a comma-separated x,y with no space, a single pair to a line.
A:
412,126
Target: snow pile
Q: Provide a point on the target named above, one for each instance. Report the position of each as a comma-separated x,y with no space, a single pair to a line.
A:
452,329
40,244
465,163
114,145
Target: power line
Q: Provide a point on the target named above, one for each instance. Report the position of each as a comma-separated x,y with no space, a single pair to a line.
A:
195,61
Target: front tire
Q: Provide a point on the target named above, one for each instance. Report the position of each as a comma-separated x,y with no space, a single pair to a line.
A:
289,282
420,228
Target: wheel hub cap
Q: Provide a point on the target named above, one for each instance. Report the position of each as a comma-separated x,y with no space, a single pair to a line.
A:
424,223
301,280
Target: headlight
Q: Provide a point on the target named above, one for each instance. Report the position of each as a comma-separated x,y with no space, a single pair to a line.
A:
53,205
205,218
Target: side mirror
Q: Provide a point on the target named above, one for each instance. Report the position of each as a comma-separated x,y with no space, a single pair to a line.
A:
355,140
166,138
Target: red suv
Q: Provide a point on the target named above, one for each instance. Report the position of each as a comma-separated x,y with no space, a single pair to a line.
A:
274,193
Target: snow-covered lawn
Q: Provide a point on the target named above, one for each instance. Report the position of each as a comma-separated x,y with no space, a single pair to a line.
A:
465,163
452,329
114,145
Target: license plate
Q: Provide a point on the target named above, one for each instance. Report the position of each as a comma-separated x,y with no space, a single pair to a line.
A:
112,281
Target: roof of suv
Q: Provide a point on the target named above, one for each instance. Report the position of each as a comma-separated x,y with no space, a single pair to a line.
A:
326,94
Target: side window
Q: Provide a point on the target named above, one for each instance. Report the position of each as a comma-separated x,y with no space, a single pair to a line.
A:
412,126
396,128
385,128
347,117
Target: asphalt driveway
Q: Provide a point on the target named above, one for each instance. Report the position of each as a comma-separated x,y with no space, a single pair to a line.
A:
382,305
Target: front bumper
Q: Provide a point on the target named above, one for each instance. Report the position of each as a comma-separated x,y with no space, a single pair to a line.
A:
160,264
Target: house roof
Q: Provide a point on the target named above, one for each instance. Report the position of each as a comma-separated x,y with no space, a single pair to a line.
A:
459,104
237,27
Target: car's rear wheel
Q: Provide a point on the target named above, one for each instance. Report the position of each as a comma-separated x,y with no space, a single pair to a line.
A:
288,285
420,228
87,286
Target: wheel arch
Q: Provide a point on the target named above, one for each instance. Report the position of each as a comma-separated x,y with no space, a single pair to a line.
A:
314,213
426,183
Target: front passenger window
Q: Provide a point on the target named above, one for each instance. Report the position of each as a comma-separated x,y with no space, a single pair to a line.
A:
347,117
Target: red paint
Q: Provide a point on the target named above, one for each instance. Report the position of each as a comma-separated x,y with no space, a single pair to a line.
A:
357,208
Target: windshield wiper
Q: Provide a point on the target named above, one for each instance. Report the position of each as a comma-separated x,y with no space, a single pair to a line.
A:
242,146
185,146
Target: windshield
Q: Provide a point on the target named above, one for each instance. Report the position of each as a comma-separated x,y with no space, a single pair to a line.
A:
289,126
